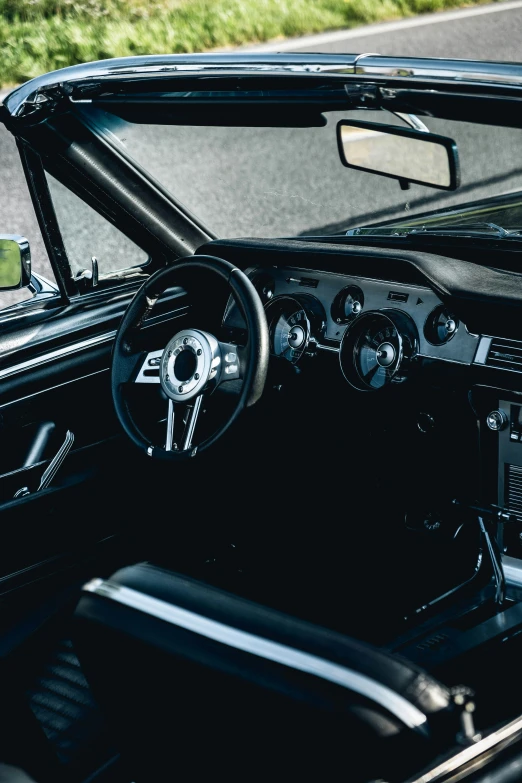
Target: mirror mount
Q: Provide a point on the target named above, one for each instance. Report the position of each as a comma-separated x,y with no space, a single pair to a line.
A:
412,120
15,262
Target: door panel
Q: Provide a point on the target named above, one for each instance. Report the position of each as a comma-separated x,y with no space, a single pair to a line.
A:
64,387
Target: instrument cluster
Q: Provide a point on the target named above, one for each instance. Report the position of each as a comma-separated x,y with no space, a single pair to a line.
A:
378,328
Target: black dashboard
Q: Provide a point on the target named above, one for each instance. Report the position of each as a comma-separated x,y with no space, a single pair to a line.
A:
380,310
454,310
443,334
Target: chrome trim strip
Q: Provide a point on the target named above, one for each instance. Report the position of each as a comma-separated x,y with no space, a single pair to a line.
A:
51,388
82,345
57,354
482,350
393,702
512,570
405,69
327,348
504,734
436,358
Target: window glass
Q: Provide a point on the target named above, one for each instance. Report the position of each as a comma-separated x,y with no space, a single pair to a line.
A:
17,215
269,182
85,234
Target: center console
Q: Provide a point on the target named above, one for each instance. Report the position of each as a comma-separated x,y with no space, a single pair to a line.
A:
499,415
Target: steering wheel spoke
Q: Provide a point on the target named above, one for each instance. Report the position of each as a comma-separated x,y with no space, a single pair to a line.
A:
171,418
149,370
231,364
189,417
192,419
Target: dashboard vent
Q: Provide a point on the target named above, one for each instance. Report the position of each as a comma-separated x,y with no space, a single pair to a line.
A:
505,354
513,490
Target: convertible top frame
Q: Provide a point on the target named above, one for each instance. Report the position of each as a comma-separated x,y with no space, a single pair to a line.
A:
254,89
451,89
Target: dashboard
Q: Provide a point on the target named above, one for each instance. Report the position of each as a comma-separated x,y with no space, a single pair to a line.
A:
376,327
349,299
377,316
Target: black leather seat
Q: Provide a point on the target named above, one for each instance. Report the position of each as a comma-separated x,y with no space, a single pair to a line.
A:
196,681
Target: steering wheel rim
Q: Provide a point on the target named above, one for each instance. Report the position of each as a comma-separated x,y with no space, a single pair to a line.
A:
126,361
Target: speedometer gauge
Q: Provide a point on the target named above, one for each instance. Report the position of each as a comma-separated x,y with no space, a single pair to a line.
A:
289,328
377,351
377,348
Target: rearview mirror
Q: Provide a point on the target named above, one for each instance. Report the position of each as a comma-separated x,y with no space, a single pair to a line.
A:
402,153
15,262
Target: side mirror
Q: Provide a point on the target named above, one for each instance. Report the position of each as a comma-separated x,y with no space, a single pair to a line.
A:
15,262
402,153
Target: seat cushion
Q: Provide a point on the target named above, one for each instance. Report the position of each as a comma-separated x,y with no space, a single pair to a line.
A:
195,679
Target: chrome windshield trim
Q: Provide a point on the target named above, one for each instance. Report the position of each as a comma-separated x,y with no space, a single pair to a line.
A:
59,353
42,91
391,701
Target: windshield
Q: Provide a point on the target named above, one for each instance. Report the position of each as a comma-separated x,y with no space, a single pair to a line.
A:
270,182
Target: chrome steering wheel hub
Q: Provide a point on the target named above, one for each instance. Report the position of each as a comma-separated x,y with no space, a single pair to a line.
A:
190,360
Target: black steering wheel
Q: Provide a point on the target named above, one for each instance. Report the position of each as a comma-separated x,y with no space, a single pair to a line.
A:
193,363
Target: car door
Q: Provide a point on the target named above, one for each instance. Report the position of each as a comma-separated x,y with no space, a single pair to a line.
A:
55,355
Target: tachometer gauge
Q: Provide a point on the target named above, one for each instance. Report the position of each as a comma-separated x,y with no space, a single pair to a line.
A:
377,348
289,328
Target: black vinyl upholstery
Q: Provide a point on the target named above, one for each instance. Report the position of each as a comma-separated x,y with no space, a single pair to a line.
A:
61,701
198,691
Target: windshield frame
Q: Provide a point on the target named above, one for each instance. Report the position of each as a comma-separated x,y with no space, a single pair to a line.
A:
442,88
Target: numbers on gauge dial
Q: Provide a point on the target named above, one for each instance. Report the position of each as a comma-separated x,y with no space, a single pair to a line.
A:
289,327
376,356
290,335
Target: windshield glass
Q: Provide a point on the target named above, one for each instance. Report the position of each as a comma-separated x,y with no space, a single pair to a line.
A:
269,182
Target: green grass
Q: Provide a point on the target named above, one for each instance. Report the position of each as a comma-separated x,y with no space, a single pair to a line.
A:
41,35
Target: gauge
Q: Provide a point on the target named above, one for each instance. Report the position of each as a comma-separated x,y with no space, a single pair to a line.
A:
440,326
289,328
347,304
377,348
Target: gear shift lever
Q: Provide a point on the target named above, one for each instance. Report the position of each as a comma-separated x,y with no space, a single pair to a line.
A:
496,562
501,516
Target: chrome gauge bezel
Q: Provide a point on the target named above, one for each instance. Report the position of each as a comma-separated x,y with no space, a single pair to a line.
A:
337,309
429,327
407,347
274,309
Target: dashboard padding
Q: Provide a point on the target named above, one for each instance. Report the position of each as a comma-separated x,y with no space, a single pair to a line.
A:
484,297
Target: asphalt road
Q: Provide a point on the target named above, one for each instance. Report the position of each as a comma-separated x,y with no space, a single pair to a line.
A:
267,183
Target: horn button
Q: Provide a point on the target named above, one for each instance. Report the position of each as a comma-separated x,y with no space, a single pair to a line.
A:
185,365
189,361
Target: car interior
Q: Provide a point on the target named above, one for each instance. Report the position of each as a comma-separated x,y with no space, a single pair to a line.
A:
260,497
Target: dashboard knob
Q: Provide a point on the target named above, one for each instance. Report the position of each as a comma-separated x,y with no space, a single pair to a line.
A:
450,325
496,420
